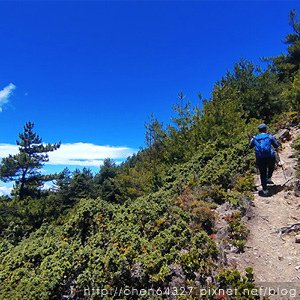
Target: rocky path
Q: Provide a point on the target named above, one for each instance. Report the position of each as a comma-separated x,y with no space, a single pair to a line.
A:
274,257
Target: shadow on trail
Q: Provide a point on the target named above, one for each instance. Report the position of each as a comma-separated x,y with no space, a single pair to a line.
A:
273,190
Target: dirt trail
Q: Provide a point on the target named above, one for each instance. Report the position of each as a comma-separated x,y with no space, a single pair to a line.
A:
274,258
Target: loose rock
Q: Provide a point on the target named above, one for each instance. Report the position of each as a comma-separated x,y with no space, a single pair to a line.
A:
283,135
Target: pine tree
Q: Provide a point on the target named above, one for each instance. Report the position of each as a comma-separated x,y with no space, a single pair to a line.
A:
287,65
154,137
24,167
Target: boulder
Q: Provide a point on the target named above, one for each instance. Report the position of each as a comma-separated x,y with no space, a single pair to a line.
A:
283,135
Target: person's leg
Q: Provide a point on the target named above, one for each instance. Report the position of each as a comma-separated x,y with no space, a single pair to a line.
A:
262,166
271,166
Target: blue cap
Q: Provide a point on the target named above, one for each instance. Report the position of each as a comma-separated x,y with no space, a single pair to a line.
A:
262,126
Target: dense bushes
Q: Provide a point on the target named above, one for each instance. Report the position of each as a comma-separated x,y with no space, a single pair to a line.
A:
99,244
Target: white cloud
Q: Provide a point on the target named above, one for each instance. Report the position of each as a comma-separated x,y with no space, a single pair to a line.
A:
77,154
49,186
85,154
6,149
5,93
5,190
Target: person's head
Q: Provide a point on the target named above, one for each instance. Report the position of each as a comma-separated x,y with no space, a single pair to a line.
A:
262,128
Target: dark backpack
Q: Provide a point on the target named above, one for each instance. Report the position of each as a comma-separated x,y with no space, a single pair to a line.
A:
263,146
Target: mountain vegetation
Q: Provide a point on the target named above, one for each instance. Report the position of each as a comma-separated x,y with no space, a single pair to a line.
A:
149,223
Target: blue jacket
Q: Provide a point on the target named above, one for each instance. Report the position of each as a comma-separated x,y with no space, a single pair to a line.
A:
260,136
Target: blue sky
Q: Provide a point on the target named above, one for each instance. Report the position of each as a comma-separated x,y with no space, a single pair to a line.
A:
93,72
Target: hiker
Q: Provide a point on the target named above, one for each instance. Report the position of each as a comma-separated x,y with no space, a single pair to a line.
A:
264,145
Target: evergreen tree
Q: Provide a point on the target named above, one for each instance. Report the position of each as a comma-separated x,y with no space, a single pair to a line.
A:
82,184
107,170
179,133
154,137
258,94
287,65
104,180
24,167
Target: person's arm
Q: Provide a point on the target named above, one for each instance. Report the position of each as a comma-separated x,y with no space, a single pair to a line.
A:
274,143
